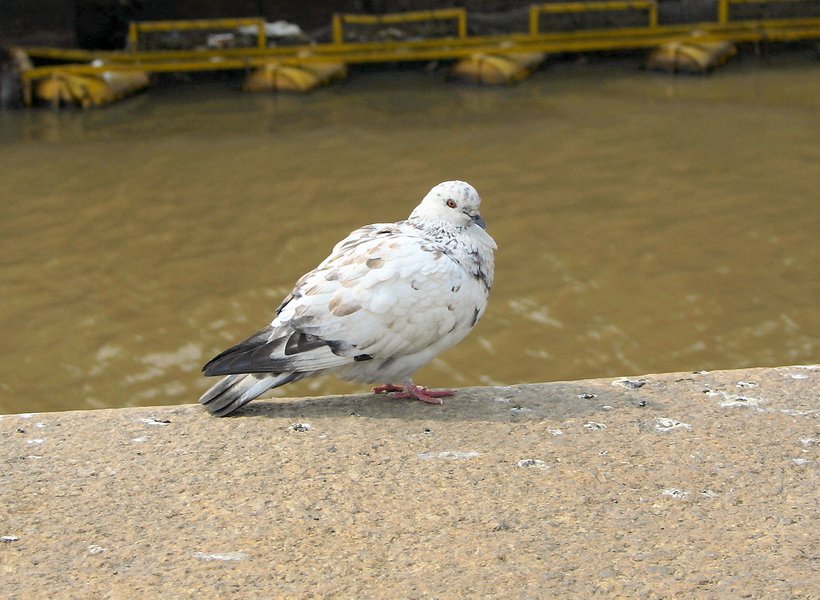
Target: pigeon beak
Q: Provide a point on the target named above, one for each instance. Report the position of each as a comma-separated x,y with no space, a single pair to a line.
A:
478,220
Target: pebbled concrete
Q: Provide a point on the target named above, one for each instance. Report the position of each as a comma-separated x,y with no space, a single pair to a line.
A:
674,485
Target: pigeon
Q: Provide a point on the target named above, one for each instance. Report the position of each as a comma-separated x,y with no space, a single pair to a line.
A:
388,299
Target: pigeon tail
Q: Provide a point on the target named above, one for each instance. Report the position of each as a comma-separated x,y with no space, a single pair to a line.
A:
235,391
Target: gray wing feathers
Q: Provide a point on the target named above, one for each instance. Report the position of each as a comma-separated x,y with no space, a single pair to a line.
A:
271,357
235,391
276,350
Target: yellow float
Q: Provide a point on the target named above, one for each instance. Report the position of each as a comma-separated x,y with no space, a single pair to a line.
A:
70,87
497,69
283,77
690,56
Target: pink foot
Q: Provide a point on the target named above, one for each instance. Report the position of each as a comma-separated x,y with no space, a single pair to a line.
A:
387,387
416,392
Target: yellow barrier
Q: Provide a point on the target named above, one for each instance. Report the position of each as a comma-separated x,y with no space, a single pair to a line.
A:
536,10
460,14
510,46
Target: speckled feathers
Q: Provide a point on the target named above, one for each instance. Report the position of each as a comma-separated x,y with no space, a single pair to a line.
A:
388,299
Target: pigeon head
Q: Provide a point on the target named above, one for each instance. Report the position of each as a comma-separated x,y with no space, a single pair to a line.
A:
452,204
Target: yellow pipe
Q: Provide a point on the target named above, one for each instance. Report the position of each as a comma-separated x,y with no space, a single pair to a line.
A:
199,24
577,7
407,17
325,50
338,29
262,34
763,1
133,36
462,25
723,12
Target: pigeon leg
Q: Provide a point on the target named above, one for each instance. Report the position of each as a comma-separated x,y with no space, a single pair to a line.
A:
416,392
387,387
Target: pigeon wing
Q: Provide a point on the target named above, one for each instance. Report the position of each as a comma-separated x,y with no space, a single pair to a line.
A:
384,292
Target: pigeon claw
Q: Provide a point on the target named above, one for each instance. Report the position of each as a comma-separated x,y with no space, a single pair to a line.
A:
415,392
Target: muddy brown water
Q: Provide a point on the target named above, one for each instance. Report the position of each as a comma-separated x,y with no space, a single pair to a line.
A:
645,223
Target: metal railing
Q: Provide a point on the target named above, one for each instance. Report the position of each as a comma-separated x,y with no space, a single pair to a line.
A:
445,14
536,10
138,28
724,7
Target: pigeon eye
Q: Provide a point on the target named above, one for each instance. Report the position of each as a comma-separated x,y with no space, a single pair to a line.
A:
451,203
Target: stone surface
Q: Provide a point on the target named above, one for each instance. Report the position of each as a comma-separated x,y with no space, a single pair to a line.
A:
675,485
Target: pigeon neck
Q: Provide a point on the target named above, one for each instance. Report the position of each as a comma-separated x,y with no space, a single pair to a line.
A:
434,224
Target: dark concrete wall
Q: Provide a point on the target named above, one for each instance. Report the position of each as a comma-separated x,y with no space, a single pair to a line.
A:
40,22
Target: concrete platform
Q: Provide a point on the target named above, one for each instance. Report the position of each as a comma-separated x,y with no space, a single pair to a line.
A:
676,485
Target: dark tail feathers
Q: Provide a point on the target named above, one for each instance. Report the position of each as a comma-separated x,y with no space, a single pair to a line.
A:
235,391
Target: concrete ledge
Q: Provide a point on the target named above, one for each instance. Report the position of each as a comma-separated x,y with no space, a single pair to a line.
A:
657,486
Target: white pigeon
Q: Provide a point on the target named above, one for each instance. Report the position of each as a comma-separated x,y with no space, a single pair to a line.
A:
388,299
